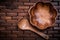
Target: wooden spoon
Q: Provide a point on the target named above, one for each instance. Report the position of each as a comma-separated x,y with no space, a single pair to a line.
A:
23,24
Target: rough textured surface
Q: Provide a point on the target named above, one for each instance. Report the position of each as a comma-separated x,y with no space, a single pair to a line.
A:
8,22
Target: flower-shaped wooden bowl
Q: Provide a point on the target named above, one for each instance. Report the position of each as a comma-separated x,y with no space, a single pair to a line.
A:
42,15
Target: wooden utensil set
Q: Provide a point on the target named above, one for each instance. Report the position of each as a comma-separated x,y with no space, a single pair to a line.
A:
42,15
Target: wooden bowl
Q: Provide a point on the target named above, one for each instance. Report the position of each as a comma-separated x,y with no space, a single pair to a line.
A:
42,15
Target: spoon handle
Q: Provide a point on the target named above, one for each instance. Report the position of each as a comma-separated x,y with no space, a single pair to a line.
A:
40,33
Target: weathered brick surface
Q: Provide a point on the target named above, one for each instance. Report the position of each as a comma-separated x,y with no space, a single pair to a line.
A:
58,21
6,17
30,4
11,14
18,17
29,38
12,21
2,14
56,0
2,28
23,7
23,0
54,3
22,14
11,11
2,21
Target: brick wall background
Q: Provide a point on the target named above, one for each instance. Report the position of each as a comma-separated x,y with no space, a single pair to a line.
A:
13,10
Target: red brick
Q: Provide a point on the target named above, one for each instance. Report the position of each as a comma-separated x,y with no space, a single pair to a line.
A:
12,21
39,38
59,25
2,28
55,25
57,21
26,11
18,3
17,38
54,38
55,3
23,0
52,32
17,32
59,10
27,32
57,7
29,3
22,14
50,35
2,21
6,24
6,38
59,3
47,0
15,11
23,7
56,28
20,38
12,35
11,11
11,28
59,18
58,14
14,24
29,38
18,17
56,0
2,14
6,17
2,7
6,31
19,10
34,1
11,14
5,10
57,35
